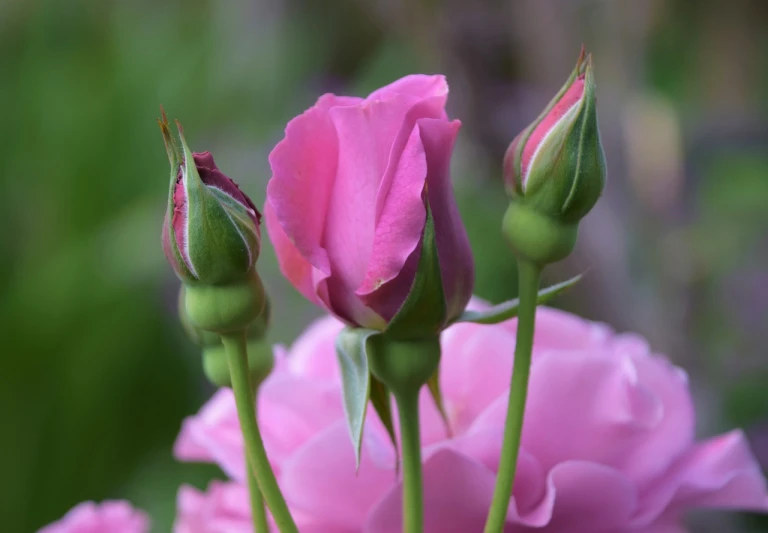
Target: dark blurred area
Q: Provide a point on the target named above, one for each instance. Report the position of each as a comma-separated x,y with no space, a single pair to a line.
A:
96,374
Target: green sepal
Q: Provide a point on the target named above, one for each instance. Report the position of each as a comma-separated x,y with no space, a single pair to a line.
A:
196,334
433,384
423,314
351,352
381,400
506,310
175,159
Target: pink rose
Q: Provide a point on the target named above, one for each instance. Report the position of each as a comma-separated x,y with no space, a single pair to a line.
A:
608,444
105,517
347,203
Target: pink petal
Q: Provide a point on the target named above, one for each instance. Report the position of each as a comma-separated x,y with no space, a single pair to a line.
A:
559,330
329,100
214,435
303,171
113,516
398,229
320,479
400,213
313,354
293,265
484,445
722,473
475,369
365,136
457,496
456,263
224,508
665,525
571,98
292,410
674,433
610,415
583,496
421,86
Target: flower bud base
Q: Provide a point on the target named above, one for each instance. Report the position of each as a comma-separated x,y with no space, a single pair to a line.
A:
404,366
535,237
225,308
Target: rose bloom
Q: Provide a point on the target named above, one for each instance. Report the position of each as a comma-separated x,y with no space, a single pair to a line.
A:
105,517
347,202
608,444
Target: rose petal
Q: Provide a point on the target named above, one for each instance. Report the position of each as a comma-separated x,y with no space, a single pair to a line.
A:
484,446
571,97
224,508
320,479
456,262
620,420
293,265
457,496
722,472
559,330
421,86
583,496
475,369
398,229
292,410
114,516
313,354
214,435
303,170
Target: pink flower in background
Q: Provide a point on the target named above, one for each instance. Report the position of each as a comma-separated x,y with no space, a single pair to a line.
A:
347,203
608,445
105,517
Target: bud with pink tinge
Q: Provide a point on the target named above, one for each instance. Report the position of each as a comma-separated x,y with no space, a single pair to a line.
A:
211,238
211,232
555,171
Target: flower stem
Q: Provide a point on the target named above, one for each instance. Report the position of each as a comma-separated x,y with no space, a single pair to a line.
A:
413,497
529,275
405,366
237,355
258,511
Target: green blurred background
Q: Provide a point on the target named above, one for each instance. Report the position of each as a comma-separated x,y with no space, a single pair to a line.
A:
96,374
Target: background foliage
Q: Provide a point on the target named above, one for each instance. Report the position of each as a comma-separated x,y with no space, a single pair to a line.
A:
96,374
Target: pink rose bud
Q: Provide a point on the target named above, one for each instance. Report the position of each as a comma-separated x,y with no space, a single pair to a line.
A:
555,171
211,231
356,184
558,162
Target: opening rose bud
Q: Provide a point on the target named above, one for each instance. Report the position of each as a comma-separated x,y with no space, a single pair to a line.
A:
211,230
557,164
355,184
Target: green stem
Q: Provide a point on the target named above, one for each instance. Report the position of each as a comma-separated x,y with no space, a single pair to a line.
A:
258,511
529,275
413,497
237,355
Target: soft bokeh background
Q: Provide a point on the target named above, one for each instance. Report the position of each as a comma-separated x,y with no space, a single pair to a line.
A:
96,374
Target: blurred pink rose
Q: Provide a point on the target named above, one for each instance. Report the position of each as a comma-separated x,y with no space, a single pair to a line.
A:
608,445
346,205
105,517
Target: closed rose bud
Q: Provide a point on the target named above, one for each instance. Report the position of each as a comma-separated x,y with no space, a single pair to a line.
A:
211,232
555,171
211,238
